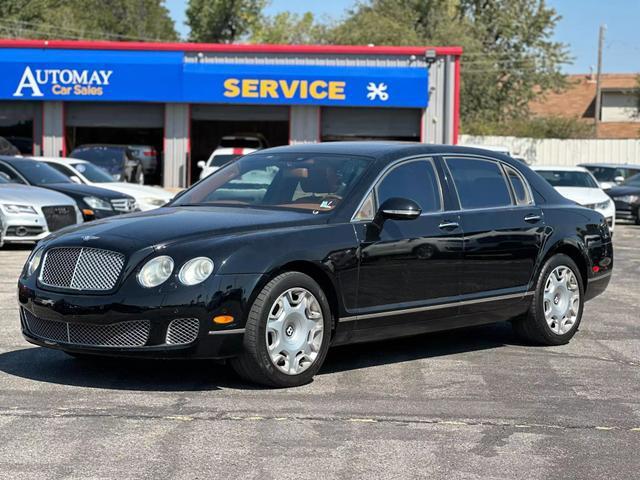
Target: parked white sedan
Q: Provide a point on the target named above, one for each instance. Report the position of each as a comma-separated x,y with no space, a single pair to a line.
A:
81,171
579,185
219,157
29,214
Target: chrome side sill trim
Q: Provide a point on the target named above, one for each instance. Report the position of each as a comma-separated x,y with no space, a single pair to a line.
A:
435,307
226,332
601,277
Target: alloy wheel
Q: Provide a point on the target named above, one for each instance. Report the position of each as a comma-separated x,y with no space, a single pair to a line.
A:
295,328
561,300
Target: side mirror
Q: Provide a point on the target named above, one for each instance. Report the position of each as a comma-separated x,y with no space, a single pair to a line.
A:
202,164
619,179
75,179
397,208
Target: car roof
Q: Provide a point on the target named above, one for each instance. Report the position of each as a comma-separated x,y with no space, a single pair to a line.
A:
379,149
101,145
611,165
232,150
559,168
60,160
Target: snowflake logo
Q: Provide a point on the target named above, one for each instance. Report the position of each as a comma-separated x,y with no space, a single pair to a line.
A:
377,91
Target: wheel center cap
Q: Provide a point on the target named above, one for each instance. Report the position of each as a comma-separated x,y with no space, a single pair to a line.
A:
289,331
556,300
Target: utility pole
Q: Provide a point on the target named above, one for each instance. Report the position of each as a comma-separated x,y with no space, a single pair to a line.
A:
598,80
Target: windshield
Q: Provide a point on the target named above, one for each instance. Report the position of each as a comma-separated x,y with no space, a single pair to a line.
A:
219,160
293,181
632,181
561,178
3,180
92,173
109,158
39,173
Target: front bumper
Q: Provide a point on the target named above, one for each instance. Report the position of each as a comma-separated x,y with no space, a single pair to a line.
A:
23,228
97,324
626,211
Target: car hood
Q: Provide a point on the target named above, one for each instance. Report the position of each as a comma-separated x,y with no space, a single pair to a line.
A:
137,191
36,196
76,189
623,190
583,196
164,226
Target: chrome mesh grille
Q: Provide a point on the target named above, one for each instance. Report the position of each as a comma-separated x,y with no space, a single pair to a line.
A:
81,268
124,204
182,331
124,334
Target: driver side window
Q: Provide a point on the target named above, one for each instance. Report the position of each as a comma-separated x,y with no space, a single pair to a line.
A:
415,180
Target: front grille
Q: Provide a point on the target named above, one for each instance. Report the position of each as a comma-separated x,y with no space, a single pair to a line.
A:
59,217
23,231
81,268
182,331
124,204
123,334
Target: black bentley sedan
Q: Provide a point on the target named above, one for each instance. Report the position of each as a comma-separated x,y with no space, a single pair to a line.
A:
94,202
287,251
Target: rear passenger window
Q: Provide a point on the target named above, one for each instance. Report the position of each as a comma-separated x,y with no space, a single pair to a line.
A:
415,180
520,190
480,183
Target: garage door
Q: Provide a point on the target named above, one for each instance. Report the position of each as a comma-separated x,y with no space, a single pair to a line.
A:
119,115
344,122
241,113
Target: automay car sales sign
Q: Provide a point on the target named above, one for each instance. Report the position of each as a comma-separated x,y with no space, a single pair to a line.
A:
81,75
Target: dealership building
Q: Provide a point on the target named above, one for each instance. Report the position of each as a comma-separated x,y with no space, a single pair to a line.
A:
181,98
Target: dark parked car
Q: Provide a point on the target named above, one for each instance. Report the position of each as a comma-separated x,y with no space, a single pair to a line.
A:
148,156
609,175
626,196
93,202
23,144
118,160
286,251
7,148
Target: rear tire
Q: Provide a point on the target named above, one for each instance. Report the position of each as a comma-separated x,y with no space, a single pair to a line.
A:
139,176
287,333
557,306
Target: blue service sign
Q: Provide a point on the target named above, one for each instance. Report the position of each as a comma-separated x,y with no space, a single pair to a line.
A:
306,85
83,75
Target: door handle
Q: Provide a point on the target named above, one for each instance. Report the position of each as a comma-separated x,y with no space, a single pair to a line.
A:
448,225
532,218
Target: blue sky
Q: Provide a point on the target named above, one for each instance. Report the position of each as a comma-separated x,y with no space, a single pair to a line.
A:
578,27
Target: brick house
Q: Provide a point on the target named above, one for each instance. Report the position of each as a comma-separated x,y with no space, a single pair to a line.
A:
619,114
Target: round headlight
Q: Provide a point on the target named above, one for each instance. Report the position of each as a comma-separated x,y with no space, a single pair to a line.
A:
34,262
156,271
196,271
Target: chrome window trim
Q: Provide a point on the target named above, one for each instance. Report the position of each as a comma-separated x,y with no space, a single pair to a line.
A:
507,168
496,162
429,158
440,306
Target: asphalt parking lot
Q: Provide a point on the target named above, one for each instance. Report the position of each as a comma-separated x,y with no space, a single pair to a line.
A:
474,403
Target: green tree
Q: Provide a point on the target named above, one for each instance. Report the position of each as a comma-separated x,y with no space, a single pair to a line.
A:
509,56
289,28
222,21
87,19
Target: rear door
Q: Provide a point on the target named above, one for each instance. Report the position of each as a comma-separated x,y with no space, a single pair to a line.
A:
503,231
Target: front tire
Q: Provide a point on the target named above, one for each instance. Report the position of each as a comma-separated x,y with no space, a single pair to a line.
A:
287,333
556,310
